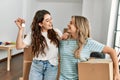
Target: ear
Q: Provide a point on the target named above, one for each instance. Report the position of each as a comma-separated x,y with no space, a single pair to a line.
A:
40,24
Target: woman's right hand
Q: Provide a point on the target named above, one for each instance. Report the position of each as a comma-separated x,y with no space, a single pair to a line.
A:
19,22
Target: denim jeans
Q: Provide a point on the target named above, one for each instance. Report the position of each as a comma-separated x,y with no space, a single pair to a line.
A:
63,78
42,70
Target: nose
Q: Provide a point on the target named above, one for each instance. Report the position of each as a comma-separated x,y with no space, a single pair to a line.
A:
50,20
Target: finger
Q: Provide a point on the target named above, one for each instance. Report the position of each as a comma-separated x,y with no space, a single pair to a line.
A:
23,21
18,20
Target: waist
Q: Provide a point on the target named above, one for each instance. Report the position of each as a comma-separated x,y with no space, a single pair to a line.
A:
43,61
53,61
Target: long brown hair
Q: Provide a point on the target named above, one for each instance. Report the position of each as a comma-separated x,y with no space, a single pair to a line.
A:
83,32
38,40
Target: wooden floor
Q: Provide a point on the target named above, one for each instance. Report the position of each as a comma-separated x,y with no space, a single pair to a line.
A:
16,68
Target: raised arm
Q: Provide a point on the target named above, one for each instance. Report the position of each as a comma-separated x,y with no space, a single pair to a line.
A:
19,40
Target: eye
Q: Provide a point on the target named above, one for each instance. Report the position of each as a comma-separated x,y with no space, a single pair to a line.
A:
48,20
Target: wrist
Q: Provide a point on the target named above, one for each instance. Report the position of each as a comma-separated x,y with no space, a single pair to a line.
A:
66,33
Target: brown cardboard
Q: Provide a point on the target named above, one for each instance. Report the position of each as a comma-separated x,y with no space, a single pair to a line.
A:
95,69
21,78
27,62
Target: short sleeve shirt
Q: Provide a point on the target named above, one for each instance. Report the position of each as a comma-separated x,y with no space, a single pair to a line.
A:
51,51
68,63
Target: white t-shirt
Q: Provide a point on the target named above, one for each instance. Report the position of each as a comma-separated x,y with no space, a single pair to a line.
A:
51,51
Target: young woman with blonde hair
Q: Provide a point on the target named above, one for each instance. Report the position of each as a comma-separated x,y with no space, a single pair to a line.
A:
78,47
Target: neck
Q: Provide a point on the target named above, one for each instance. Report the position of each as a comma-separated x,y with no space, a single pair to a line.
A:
74,36
44,30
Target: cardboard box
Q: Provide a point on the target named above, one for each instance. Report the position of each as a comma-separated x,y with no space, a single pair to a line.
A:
20,78
27,62
95,69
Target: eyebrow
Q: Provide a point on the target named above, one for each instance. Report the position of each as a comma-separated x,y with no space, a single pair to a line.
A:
48,18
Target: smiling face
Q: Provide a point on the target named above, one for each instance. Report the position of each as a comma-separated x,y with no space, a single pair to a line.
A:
79,27
46,24
71,26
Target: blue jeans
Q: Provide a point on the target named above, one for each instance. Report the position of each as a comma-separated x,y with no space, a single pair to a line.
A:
63,78
42,70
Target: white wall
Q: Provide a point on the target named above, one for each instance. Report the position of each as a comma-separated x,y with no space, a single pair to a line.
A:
112,22
98,13
9,11
61,11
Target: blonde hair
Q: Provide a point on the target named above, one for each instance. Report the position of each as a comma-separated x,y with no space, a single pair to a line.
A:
82,32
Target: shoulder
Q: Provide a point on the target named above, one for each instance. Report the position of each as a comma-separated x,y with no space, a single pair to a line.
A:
58,31
93,42
90,40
